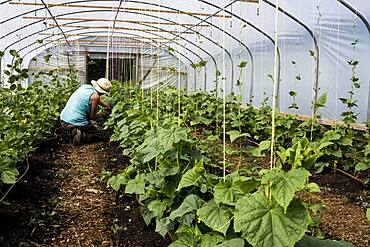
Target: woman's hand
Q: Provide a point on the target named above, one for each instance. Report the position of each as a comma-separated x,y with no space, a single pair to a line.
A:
104,104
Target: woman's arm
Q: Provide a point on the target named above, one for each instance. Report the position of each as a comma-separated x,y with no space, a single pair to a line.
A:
94,102
103,103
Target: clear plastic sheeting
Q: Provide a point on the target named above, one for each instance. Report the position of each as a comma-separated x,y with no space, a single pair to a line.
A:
55,58
152,66
176,36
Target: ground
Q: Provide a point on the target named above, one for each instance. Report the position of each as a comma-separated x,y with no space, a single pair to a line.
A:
63,202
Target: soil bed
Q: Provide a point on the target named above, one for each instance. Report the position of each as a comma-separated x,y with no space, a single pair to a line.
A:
345,202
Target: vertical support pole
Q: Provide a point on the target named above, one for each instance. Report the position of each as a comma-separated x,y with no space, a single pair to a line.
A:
85,65
137,67
195,80
205,79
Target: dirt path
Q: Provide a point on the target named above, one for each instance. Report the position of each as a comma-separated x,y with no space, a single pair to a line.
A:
63,202
345,202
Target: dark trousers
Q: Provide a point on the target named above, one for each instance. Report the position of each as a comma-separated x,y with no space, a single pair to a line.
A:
89,133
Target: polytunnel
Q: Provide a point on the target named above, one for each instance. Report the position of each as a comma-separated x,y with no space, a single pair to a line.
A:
188,32
202,95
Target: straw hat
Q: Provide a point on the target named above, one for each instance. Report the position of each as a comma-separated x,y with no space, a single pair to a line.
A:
102,85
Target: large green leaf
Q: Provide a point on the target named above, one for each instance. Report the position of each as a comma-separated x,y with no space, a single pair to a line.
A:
210,240
235,242
233,188
264,145
215,216
135,186
264,223
146,214
185,240
151,150
115,182
9,176
191,203
285,185
315,242
321,101
158,207
225,192
190,178
163,225
170,136
235,134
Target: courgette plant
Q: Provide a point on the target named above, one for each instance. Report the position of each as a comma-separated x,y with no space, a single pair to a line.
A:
173,179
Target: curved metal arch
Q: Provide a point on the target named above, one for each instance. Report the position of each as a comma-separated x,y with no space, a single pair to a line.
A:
316,45
364,20
258,30
174,9
158,36
105,32
92,32
119,32
122,11
30,24
356,12
4,2
35,33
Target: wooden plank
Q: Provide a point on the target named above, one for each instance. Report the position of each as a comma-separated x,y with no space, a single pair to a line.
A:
329,122
105,36
249,1
91,42
160,11
102,41
85,65
110,20
122,28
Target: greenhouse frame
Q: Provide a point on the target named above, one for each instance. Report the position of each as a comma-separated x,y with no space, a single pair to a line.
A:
244,33
225,122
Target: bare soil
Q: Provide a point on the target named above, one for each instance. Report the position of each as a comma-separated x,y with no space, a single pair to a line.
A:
345,202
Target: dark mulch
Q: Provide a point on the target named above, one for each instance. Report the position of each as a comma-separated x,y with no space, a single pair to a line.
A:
63,202
345,201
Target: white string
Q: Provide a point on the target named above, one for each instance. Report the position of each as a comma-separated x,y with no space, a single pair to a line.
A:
224,91
337,64
272,161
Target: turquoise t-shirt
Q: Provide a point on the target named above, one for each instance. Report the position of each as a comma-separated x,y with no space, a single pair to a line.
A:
77,109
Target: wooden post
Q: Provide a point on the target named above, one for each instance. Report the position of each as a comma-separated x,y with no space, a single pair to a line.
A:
137,67
85,64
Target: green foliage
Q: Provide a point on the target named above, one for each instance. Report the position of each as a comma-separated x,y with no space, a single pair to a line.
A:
214,216
279,228
16,74
321,101
198,65
242,64
284,185
175,167
47,58
27,116
315,242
